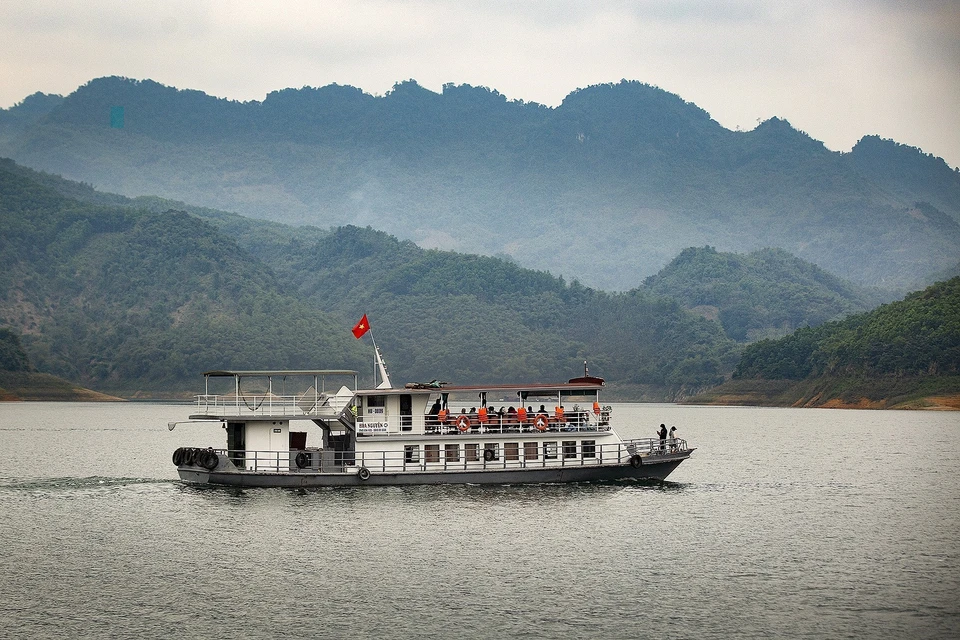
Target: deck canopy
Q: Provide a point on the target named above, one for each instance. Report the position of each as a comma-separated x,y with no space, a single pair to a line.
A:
280,372
537,388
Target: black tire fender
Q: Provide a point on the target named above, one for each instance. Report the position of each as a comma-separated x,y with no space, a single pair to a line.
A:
363,473
489,455
302,460
210,461
636,461
178,456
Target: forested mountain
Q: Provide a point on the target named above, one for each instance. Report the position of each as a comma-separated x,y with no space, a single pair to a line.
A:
767,293
917,336
905,354
606,188
125,299
122,299
12,355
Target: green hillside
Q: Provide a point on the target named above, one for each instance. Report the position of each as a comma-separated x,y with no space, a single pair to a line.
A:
485,317
900,353
123,300
606,188
19,380
764,294
126,299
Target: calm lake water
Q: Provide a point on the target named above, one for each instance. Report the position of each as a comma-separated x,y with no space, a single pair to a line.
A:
790,523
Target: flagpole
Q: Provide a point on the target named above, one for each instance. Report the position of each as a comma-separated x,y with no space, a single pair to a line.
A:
375,351
378,363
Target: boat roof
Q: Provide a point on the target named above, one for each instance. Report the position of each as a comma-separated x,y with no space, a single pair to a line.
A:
449,388
281,372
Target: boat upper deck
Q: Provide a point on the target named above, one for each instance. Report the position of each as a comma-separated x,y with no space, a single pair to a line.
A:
281,393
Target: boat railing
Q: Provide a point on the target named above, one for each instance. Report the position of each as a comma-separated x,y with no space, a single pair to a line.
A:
269,405
507,428
453,457
471,423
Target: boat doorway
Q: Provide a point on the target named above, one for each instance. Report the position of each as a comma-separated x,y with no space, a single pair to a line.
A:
236,442
406,412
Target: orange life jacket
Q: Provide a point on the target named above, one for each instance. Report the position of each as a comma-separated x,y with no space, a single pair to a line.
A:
521,414
558,412
482,413
596,408
443,415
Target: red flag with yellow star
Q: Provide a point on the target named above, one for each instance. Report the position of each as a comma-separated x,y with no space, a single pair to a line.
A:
361,327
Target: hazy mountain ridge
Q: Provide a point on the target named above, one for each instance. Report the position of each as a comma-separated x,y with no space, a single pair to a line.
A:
606,187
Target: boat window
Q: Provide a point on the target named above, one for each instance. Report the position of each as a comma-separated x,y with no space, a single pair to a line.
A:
452,453
511,450
549,450
431,453
530,451
569,448
471,452
411,453
376,405
589,448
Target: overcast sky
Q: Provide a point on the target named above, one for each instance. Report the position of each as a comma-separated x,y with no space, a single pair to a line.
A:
837,69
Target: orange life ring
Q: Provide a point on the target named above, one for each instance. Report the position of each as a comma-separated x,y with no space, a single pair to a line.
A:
463,422
541,422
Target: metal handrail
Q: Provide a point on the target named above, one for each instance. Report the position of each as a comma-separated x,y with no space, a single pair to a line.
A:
266,405
573,453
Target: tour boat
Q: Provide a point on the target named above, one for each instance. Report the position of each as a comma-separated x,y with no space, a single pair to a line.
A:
287,429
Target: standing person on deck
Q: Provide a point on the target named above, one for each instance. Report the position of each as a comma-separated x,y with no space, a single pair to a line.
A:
663,437
673,438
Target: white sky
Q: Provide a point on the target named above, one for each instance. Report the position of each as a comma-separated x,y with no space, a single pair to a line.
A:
837,69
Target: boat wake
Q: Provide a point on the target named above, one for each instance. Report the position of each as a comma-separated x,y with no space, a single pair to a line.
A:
95,483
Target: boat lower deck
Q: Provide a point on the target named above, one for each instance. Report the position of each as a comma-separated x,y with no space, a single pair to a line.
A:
657,469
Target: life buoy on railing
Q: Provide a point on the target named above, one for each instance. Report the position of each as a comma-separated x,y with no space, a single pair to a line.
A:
489,455
541,422
636,461
463,422
363,473
302,460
